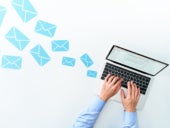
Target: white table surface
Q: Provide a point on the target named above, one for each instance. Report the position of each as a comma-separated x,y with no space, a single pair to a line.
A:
52,96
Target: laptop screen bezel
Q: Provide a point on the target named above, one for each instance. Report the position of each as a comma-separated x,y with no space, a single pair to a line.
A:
136,54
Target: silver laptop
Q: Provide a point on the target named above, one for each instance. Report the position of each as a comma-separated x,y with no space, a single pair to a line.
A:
133,66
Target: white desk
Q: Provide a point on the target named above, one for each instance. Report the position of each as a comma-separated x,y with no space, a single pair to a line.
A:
53,95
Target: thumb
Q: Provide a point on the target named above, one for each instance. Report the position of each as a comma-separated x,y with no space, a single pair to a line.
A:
122,95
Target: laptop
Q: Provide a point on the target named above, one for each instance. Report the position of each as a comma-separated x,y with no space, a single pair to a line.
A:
130,65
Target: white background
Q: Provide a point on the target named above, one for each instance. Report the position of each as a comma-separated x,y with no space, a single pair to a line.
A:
52,96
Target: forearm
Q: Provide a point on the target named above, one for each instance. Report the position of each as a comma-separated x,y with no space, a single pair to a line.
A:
89,116
130,120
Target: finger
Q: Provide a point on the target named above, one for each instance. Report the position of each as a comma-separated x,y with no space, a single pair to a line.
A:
107,77
117,89
138,96
122,94
133,89
137,91
129,88
111,79
115,80
118,85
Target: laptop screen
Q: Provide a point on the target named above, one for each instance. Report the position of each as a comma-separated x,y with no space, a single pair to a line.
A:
135,61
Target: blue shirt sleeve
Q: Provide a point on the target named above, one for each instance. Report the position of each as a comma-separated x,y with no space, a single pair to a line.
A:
89,116
129,120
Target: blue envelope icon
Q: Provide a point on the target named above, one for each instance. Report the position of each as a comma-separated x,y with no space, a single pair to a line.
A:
11,62
86,60
17,38
24,9
2,14
60,45
40,55
67,61
92,73
45,28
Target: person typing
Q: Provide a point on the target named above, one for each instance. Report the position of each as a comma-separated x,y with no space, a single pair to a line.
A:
110,87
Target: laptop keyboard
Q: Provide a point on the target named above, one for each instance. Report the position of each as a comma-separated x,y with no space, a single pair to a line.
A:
141,81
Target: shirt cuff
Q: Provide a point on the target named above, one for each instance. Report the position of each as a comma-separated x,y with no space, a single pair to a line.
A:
98,104
129,118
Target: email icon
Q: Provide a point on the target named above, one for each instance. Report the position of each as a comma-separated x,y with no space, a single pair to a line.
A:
40,55
60,45
91,73
86,60
67,61
2,14
11,62
45,28
24,9
17,38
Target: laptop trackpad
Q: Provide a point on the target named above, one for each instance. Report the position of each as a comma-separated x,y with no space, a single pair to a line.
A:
117,97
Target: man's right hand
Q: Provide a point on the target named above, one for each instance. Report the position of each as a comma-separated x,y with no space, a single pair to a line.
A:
130,100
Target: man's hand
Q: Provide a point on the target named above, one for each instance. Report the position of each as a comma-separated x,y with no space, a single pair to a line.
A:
131,99
111,86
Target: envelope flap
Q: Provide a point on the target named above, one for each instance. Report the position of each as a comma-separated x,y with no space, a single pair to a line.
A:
35,49
42,52
12,62
40,55
11,33
14,32
11,59
17,38
24,5
39,51
85,57
61,43
92,73
68,61
46,25
19,34
45,28
87,61
28,6
24,9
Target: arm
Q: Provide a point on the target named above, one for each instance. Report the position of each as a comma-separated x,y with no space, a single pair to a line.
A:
130,102
89,116
129,120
